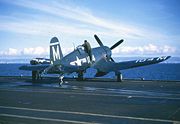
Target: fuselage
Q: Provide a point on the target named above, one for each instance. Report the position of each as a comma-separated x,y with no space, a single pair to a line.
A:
79,59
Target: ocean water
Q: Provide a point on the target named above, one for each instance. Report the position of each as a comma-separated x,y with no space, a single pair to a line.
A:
162,71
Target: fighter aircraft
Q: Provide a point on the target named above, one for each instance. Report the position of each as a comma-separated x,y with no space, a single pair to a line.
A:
79,61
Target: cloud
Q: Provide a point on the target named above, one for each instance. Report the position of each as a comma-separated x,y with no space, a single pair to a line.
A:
36,51
10,51
69,19
149,49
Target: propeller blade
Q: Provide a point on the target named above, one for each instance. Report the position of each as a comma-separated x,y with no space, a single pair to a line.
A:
112,59
98,40
116,44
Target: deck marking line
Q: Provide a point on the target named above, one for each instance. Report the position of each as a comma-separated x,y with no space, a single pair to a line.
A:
92,114
94,94
46,119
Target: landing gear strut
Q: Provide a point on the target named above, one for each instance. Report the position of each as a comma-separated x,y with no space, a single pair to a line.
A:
35,75
80,76
119,77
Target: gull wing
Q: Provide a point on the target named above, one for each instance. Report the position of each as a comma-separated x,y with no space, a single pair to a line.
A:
107,66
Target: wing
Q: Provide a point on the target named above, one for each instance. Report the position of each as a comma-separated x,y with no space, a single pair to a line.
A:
51,69
103,66
141,62
38,67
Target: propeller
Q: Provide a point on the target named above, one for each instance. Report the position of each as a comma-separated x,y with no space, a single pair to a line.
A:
112,59
98,40
112,47
117,44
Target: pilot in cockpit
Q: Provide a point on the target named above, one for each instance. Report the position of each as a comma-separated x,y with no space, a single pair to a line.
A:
87,49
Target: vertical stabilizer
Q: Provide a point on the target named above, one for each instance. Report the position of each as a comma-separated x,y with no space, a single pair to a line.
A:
55,51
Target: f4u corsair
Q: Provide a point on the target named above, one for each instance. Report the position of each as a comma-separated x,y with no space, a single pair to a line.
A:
79,61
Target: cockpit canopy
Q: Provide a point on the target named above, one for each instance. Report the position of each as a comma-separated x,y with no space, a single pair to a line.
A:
80,48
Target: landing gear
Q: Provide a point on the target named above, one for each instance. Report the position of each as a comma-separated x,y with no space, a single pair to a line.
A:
61,80
80,76
36,75
119,77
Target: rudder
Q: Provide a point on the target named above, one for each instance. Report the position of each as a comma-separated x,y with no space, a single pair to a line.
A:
55,51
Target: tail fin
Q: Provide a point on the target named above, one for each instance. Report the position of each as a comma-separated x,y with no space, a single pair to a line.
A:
55,51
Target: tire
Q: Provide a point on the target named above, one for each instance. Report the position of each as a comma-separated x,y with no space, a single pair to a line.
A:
119,77
80,76
34,75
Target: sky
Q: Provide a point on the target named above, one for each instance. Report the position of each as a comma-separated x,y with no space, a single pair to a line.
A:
148,27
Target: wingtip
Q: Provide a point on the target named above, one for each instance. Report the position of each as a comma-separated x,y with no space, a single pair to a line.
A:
168,57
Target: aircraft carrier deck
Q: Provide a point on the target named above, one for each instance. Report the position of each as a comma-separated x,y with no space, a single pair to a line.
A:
89,101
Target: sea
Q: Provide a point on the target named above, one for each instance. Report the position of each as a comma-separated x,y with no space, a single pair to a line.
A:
168,70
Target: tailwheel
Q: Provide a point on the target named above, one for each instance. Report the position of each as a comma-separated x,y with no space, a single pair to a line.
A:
61,80
119,77
80,76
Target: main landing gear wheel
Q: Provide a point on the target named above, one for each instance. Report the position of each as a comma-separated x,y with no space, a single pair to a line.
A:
35,75
119,77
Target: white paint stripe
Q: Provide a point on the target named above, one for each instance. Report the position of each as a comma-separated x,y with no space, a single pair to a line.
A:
93,94
56,43
174,113
45,119
91,114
